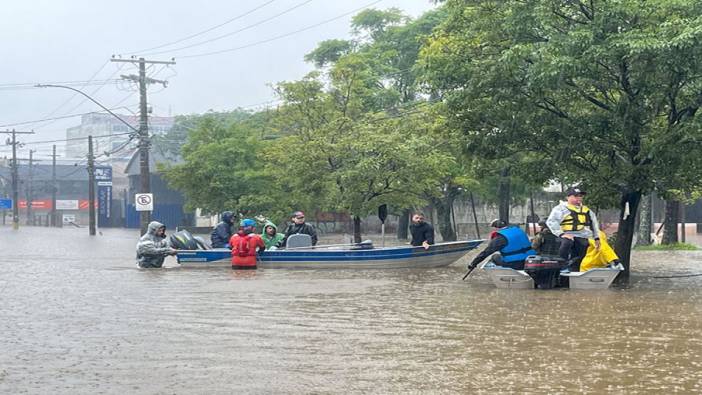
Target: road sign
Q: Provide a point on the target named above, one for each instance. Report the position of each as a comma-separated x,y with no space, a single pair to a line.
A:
69,218
144,201
5,204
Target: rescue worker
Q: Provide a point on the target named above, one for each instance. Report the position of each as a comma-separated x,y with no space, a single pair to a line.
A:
297,226
153,248
245,244
545,242
271,237
599,257
574,223
422,232
509,247
223,231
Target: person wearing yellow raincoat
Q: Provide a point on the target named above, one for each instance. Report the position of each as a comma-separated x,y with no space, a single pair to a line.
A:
601,257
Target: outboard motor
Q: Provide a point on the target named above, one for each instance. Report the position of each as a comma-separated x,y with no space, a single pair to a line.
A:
183,240
545,270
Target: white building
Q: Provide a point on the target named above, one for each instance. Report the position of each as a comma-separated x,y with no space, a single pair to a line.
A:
109,133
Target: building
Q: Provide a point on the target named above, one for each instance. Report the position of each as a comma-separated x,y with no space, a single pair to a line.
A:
71,193
109,133
168,203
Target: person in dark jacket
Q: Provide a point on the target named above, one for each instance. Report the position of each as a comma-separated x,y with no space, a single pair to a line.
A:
545,242
422,232
299,226
153,248
508,247
222,233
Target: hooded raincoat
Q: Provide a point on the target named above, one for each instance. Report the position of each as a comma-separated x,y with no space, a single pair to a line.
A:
271,241
152,249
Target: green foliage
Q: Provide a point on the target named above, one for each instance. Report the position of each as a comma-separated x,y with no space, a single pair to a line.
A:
220,165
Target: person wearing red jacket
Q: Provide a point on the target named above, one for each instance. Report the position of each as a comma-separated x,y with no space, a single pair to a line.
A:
245,244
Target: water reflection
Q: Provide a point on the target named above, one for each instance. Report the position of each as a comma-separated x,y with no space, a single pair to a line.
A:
78,316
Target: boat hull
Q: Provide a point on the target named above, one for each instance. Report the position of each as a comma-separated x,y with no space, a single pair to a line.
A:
438,255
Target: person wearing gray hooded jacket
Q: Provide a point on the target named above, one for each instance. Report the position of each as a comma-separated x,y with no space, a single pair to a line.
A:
153,248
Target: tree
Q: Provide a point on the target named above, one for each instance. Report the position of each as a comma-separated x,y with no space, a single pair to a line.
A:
220,166
586,84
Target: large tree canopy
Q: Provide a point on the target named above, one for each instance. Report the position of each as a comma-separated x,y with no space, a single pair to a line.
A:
603,90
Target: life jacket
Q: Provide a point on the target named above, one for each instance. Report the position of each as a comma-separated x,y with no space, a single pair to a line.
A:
243,247
518,246
578,218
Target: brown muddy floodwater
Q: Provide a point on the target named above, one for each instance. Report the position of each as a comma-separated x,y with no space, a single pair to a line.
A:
77,316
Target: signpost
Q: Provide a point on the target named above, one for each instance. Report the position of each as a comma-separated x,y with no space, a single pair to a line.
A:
103,177
382,215
144,201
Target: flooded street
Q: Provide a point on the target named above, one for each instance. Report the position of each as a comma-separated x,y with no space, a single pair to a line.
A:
78,316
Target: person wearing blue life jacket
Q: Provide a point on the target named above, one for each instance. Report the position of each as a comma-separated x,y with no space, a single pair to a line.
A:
509,246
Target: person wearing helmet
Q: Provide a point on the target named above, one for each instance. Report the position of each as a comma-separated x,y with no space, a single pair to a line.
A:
223,231
545,242
574,223
245,244
297,226
508,247
153,248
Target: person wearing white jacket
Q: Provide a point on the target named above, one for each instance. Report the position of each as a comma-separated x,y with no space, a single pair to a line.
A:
574,223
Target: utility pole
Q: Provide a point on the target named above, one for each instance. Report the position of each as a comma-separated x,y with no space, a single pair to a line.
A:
53,187
30,177
144,142
15,177
91,187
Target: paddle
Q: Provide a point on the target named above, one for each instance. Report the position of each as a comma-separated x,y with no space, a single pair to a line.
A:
470,269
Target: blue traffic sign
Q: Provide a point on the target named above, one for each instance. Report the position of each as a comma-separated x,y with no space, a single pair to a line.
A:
5,204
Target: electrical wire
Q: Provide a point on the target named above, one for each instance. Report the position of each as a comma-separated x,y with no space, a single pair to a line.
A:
234,32
204,31
67,116
282,35
60,106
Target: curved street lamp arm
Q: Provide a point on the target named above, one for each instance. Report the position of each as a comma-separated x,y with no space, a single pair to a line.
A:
91,99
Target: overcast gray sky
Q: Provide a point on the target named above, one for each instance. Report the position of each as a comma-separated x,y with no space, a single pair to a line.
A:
72,40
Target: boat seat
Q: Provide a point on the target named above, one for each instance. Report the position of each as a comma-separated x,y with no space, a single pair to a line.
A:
299,240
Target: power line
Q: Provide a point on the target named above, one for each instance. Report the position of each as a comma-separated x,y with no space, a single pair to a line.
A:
204,31
282,35
234,32
76,138
67,116
60,106
79,83
84,99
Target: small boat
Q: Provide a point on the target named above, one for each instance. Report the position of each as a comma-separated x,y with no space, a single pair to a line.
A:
599,278
339,257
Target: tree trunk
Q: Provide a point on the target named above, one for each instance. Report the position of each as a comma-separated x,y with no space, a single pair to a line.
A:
403,224
475,216
670,222
443,211
625,233
503,194
644,234
356,229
